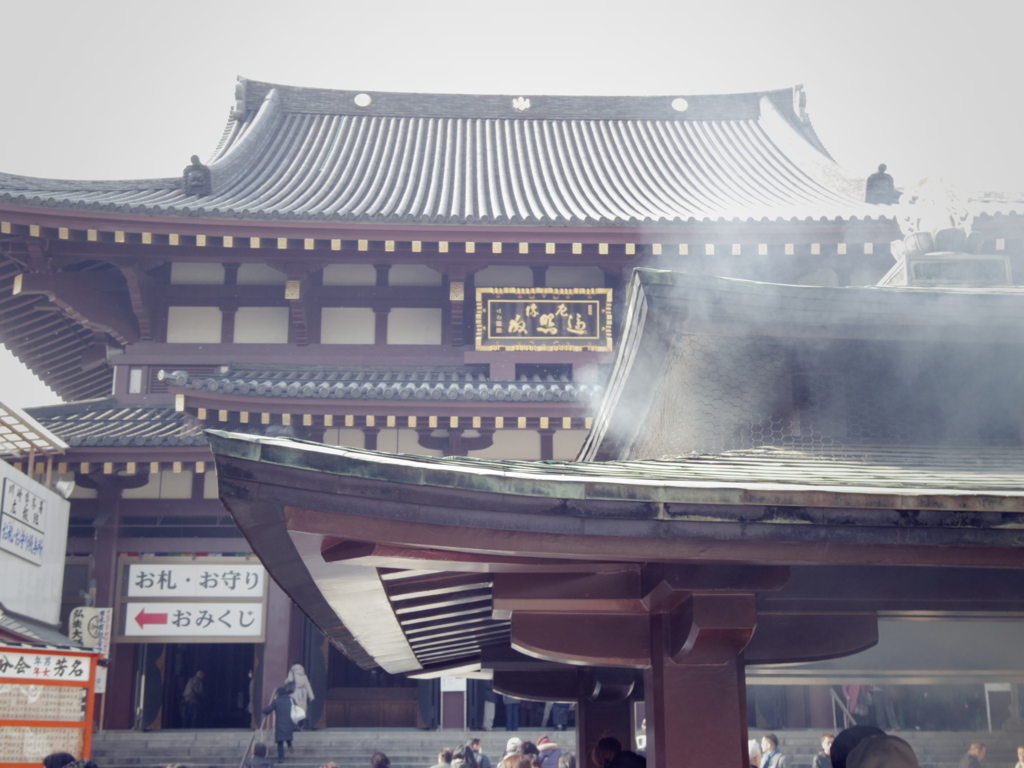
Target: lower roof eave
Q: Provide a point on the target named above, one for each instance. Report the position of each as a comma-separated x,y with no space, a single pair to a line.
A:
442,506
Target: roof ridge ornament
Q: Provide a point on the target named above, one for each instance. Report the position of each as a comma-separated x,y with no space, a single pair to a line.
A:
196,179
240,109
800,103
520,104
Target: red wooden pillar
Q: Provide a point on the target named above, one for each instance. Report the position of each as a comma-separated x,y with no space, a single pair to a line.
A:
695,688
596,719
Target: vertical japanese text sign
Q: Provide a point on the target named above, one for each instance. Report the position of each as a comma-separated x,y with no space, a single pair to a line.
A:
22,522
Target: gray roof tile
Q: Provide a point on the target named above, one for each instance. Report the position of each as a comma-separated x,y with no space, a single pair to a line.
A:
298,153
104,423
357,383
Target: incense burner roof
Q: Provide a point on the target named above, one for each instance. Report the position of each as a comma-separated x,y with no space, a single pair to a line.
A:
308,154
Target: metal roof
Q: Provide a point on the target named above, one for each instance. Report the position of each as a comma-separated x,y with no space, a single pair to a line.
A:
309,154
895,476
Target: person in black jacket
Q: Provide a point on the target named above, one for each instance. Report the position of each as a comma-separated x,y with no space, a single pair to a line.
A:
284,728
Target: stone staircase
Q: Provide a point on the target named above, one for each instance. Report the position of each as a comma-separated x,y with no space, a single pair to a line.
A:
347,747
410,748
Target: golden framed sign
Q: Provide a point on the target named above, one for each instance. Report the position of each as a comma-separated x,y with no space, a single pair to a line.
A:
544,319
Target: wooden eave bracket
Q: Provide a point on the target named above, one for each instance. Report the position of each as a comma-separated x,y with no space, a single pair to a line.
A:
90,299
142,294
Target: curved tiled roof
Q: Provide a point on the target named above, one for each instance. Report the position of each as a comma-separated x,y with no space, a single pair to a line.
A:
378,384
104,423
308,154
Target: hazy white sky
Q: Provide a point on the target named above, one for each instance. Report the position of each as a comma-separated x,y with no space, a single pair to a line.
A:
116,89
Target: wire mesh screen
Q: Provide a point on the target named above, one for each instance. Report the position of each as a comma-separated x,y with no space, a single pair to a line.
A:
718,394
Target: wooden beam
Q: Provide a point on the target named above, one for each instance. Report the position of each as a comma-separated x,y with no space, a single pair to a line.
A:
87,297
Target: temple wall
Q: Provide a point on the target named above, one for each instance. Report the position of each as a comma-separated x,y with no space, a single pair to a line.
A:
413,274
261,325
196,273
259,274
193,325
347,325
349,274
504,277
512,444
407,325
164,485
574,277
566,443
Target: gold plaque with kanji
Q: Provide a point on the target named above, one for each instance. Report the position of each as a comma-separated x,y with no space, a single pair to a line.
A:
544,319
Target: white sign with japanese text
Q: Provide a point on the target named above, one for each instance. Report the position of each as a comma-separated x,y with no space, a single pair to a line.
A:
21,540
43,666
33,535
22,504
195,580
91,627
196,620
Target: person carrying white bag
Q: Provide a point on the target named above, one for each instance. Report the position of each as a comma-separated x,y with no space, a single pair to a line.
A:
301,693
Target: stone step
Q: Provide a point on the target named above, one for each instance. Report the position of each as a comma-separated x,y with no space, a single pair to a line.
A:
410,748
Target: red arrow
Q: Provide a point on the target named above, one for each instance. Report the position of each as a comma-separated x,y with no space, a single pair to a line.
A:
150,618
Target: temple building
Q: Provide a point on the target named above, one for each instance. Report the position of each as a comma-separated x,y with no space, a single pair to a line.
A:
452,276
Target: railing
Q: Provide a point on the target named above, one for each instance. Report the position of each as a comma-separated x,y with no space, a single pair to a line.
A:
848,719
258,732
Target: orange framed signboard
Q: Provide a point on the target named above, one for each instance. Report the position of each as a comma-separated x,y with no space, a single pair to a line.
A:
46,703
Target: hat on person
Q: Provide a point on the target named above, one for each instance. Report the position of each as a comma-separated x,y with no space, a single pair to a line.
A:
882,752
513,744
543,740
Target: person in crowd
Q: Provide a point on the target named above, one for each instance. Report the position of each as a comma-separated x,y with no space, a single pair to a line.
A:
822,760
380,760
560,715
259,757
444,758
303,693
772,756
568,760
490,703
58,760
529,749
845,742
329,765
516,761
464,755
608,753
882,752
1020,757
754,752
974,755
512,746
284,728
481,759
549,752
192,700
511,713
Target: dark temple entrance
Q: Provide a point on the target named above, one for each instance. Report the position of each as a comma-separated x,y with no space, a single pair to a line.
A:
164,673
